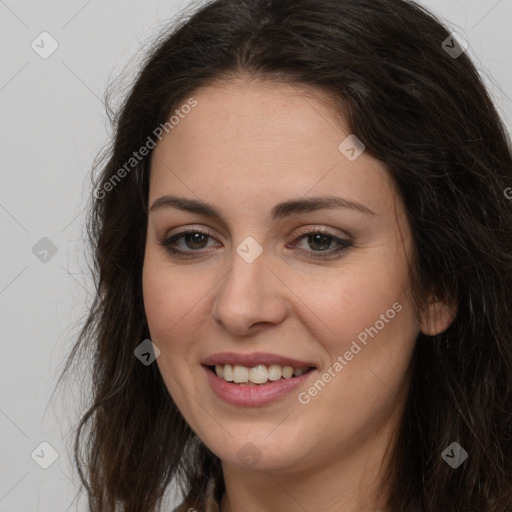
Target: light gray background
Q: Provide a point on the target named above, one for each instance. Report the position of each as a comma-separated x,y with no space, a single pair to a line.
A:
52,125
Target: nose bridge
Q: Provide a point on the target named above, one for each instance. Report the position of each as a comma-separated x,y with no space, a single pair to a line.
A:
244,282
246,296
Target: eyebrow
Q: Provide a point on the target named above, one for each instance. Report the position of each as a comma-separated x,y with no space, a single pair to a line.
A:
279,211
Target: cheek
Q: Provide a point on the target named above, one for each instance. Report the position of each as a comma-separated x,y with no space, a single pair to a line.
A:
170,302
375,351
169,296
159,301
365,318
351,299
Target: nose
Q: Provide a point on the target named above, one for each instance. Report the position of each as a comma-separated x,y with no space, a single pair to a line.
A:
250,297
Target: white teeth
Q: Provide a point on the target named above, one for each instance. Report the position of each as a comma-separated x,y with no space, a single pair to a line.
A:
274,372
259,374
240,373
287,372
227,373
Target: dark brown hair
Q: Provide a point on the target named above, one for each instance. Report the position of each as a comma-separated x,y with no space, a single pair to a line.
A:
427,116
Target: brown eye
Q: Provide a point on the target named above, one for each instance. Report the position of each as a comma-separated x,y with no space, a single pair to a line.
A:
320,244
195,240
188,243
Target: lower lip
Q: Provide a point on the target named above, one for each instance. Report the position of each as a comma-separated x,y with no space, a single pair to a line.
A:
256,395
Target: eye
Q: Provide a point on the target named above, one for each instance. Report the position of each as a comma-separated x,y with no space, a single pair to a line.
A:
187,242
192,242
321,242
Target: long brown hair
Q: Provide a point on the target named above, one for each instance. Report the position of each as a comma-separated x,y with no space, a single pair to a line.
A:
419,109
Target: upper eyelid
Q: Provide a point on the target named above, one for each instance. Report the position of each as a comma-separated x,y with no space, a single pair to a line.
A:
306,230
313,228
343,244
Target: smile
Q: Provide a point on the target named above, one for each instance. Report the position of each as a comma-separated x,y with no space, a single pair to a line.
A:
257,375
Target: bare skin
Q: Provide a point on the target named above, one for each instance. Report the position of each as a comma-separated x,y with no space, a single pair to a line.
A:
244,148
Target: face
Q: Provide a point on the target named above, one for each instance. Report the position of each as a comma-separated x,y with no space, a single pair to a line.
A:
322,287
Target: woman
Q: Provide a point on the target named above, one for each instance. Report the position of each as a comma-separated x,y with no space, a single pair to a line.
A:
304,274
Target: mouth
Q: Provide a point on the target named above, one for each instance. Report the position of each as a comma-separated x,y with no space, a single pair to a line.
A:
255,379
256,385
258,375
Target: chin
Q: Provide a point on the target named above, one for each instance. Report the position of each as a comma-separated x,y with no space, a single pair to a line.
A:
258,448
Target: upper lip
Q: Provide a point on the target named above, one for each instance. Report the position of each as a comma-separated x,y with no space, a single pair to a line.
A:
250,360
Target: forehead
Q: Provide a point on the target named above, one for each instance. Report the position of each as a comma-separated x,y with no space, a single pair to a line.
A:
248,110
250,140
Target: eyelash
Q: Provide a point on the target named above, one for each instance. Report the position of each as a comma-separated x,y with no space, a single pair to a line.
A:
343,244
